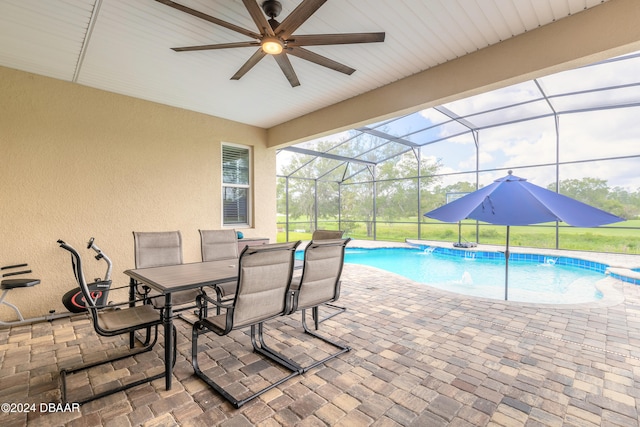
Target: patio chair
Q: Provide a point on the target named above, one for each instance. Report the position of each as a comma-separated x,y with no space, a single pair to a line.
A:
218,245
264,275
112,320
319,284
327,235
158,249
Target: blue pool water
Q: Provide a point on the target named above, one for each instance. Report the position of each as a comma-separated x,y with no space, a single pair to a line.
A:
532,278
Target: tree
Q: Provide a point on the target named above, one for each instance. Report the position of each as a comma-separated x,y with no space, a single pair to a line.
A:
398,186
596,192
303,172
438,196
396,198
592,191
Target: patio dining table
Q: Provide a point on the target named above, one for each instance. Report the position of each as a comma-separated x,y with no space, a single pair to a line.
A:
173,278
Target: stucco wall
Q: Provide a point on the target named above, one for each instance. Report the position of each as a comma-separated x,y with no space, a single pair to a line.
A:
79,162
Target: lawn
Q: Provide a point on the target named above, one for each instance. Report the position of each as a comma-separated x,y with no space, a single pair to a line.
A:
614,239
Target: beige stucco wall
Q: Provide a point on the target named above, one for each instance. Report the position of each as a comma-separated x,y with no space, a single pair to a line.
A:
79,162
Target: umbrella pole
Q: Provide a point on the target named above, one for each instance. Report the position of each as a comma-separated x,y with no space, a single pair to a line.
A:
506,270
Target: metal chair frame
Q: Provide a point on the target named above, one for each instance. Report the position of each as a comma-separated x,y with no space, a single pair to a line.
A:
248,255
337,309
227,239
199,301
320,245
143,312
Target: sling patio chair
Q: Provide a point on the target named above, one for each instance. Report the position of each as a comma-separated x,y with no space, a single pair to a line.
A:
159,249
327,235
319,284
217,245
264,276
112,320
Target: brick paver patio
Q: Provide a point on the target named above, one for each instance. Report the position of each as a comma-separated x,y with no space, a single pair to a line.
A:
420,357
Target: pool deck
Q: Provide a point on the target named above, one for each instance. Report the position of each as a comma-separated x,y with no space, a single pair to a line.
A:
420,357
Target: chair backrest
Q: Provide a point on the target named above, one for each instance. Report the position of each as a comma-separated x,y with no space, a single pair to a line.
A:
320,281
157,249
327,235
264,276
218,244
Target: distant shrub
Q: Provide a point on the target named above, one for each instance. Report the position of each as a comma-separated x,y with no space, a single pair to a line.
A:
488,233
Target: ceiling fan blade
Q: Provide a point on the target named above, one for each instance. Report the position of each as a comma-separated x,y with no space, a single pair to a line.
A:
255,58
297,17
215,46
287,69
326,39
258,17
320,60
211,19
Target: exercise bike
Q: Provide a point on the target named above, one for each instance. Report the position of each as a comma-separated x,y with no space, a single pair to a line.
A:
72,300
14,283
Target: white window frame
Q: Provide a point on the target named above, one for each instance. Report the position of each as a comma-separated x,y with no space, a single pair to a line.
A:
247,187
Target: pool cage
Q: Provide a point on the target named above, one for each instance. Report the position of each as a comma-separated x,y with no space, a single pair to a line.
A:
575,132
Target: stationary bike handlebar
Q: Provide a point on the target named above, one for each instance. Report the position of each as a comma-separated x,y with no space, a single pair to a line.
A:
101,255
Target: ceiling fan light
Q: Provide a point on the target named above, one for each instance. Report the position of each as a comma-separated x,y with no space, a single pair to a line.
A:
272,46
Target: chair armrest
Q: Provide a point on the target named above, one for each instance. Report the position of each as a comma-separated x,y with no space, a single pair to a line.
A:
215,302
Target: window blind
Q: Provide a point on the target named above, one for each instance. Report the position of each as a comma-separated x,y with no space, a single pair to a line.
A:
235,185
235,165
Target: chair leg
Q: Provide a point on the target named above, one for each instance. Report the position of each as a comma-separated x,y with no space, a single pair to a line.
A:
261,347
319,320
341,348
199,329
148,347
133,338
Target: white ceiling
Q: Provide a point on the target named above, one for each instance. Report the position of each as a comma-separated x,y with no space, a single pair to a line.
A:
123,46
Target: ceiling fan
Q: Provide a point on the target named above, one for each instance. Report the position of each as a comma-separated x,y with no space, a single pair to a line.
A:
277,38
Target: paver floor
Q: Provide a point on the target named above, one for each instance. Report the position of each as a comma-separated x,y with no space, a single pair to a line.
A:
420,357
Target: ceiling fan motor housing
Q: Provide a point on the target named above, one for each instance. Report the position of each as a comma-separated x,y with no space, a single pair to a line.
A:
271,8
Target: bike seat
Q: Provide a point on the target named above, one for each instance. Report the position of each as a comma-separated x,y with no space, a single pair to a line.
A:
18,283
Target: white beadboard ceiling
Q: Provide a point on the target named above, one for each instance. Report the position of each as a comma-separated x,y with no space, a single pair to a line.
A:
123,46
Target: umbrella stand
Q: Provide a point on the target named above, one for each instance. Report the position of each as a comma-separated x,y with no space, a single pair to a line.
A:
506,270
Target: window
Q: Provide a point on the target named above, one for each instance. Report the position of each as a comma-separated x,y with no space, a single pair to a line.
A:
236,191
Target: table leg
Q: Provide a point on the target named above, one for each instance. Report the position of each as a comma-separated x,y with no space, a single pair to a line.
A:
132,298
168,340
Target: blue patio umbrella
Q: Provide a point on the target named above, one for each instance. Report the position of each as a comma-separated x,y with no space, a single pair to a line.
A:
514,201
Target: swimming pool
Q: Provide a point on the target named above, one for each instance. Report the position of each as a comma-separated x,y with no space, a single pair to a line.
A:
532,278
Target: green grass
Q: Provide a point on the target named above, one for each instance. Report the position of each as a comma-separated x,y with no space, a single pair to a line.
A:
603,239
